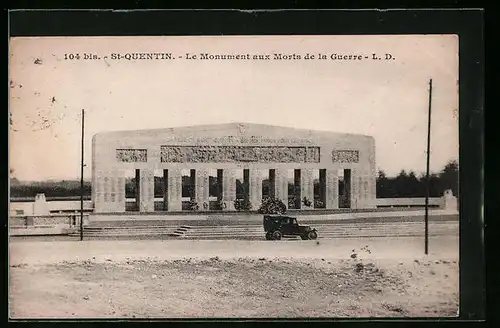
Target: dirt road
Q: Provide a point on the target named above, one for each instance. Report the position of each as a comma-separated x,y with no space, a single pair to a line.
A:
194,278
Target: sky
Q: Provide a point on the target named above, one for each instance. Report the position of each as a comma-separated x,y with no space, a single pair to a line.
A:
387,99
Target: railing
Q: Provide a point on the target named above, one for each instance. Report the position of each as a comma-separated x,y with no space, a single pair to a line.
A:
409,202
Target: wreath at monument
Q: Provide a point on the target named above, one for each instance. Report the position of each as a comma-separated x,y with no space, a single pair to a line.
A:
193,205
306,202
318,203
242,205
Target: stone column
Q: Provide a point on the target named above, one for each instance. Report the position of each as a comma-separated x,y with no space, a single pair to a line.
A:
364,200
202,185
229,188
147,203
106,190
98,189
332,189
174,190
372,190
307,186
282,185
117,203
255,188
355,188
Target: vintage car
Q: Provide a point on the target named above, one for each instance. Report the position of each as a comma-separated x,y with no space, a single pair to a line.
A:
277,226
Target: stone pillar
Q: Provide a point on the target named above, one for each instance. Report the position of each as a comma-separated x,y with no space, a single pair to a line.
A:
364,190
372,190
364,198
120,193
117,198
355,188
99,192
40,206
174,190
106,191
147,203
165,190
332,189
255,188
229,188
307,186
282,185
202,185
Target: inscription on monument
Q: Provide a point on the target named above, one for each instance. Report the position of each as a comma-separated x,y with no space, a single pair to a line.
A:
231,154
237,139
345,156
132,155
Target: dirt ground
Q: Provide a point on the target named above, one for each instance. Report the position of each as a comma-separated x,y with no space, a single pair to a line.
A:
178,279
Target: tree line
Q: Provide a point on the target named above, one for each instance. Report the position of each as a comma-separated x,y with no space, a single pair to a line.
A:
405,184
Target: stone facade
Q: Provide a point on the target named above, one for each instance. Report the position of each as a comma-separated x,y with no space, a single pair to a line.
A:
227,148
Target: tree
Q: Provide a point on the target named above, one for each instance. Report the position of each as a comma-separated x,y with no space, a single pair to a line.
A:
382,184
413,185
449,177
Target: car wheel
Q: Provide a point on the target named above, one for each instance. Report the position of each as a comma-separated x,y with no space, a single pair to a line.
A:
268,236
277,235
312,235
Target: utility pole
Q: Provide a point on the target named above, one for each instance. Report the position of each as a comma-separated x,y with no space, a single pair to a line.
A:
428,187
81,178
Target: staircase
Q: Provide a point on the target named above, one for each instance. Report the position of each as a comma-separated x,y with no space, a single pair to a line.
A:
129,230
347,230
158,229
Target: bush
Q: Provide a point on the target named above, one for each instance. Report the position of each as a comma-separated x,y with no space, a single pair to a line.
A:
242,205
272,206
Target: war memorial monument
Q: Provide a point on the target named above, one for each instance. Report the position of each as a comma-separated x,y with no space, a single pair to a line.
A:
253,148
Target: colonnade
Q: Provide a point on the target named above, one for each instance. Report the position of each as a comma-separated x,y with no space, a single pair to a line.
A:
110,188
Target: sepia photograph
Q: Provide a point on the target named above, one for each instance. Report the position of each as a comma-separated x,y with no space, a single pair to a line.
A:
284,176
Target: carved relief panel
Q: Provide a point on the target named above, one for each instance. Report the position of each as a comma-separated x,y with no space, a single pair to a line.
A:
231,154
345,156
131,155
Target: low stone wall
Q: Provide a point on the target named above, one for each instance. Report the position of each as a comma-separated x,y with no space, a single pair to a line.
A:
41,231
394,202
70,220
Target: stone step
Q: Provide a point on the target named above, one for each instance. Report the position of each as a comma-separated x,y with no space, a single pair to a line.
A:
325,229
126,228
125,235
